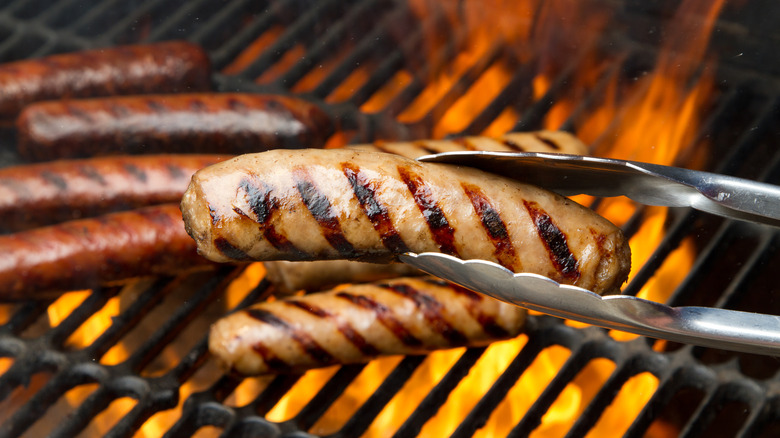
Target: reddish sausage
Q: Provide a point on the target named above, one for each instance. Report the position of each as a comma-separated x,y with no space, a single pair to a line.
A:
46,193
167,67
224,123
86,253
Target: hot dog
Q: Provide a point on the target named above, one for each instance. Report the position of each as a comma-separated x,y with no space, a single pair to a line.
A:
560,142
358,323
347,204
46,193
166,67
225,123
85,253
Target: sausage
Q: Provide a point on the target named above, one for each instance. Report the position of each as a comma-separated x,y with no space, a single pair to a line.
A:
224,123
42,194
290,277
86,253
535,141
370,206
166,67
358,323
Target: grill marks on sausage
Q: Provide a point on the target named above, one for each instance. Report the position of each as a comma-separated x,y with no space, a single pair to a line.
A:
474,301
306,342
229,250
443,233
349,332
136,172
553,145
555,242
431,310
385,317
320,208
55,180
365,192
264,205
493,225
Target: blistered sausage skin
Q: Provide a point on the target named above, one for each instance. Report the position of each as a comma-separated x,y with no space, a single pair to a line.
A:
560,142
41,194
224,123
358,323
166,67
346,204
86,253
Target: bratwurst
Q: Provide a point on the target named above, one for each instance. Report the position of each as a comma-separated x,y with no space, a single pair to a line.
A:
358,323
370,206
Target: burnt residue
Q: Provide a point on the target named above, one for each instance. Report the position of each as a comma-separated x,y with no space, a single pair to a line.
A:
385,317
432,310
349,332
443,233
319,207
494,226
306,342
555,241
365,192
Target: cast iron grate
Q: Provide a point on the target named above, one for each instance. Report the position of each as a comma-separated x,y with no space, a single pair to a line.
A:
731,394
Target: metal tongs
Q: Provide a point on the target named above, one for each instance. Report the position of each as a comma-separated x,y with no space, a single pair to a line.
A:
649,184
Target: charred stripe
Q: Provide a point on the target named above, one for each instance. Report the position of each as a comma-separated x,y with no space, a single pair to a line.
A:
493,225
553,145
175,172
55,180
385,317
271,361
259,200
473,306
345,328
136,171
307,343
555,242
432,311
513,145
424,146
319,207
91,173
442,232
365,192
229,250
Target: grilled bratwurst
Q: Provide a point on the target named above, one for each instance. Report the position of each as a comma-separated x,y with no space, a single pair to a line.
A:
560,142
346,204
358,323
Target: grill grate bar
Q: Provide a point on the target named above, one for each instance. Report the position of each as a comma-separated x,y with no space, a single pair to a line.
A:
323,10
356,18
378,41
326,396
360,421
432,402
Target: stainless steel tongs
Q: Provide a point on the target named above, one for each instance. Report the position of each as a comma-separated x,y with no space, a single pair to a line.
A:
646,183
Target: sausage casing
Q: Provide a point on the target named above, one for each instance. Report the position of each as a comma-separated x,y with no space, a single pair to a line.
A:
358,323
224,123
561,142
89,252
46,193
166,67
346,204
290,277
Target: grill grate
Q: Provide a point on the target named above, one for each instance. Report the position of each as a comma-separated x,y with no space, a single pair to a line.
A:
732,394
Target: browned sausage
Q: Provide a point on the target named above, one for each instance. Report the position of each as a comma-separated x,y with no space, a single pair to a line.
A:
85,253
560,142
225,123
290,277
167,67
358,323
41,194
371,206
